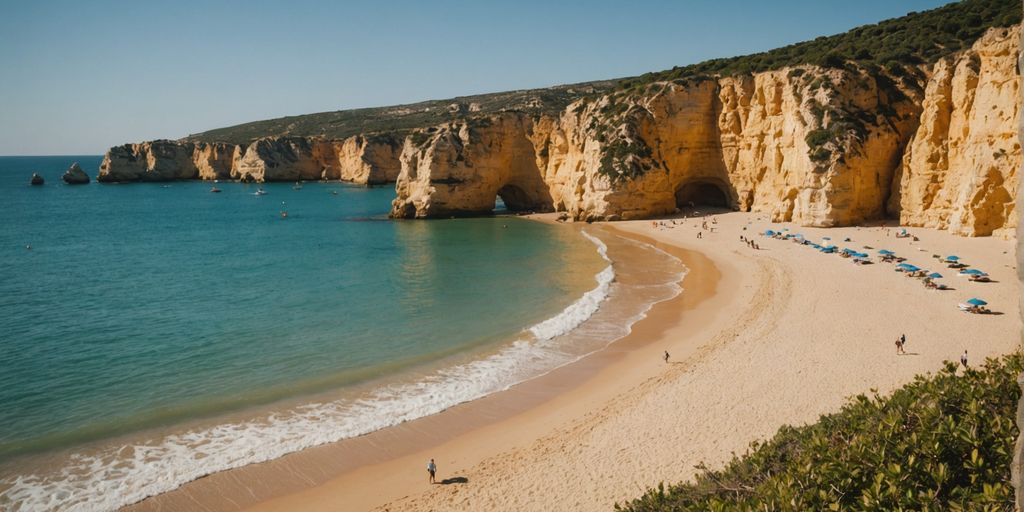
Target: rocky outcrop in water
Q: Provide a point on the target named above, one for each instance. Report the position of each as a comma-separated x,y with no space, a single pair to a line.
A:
75,175
36,180
361,159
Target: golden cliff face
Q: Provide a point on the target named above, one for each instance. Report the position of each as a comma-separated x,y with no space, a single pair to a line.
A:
820,147
366,160
960,170
934,147
460,168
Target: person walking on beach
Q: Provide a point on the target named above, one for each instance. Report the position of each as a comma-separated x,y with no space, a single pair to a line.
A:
698,234
963,359
899,346
431,470
666,356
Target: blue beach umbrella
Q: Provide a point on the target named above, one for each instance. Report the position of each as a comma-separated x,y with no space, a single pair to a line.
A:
860,255
935,275
885,252
976,302
974,272
769,233
952,258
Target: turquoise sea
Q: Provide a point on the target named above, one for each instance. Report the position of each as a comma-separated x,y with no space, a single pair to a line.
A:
152,329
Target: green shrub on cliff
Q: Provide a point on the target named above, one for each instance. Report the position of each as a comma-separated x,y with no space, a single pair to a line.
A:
942,442
917,38
895,45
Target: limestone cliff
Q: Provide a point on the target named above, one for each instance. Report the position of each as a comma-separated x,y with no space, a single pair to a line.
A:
817,146
960,170
627,157
360,159
840,143
459,169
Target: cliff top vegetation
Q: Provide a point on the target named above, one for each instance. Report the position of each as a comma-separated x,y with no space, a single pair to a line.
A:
915,39
918,38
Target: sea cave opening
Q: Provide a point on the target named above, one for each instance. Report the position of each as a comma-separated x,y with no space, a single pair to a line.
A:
514,199
702,193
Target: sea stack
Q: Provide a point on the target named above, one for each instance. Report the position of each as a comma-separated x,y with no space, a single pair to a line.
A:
75,175
37,179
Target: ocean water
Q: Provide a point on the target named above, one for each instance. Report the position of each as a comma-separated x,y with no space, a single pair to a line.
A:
154,333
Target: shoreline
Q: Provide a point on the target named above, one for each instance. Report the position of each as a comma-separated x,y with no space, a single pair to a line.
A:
774,343
322,465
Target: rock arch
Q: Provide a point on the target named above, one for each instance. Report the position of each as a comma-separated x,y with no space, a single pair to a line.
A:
518,200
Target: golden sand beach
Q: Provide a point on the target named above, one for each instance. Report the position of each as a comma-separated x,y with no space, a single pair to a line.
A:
758,339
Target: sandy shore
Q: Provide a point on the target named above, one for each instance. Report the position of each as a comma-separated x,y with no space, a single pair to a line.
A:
759,338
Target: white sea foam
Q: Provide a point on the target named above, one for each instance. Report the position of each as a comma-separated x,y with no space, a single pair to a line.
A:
124,475
579,311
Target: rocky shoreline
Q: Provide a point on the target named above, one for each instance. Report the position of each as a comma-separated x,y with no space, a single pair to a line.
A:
935,146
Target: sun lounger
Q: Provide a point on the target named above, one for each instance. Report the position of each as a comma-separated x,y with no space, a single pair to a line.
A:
970,308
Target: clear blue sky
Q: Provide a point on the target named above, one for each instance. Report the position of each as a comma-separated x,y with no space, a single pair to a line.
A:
81,76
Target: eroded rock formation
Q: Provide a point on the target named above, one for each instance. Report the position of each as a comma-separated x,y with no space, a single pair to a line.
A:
816,146
361,159
75,175
960,170
931,145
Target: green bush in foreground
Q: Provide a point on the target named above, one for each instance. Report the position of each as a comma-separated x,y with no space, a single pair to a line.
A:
942,442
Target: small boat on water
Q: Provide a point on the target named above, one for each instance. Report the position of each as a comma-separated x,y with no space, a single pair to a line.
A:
261,192
215,190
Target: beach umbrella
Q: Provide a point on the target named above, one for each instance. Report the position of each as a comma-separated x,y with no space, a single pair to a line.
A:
885,252
952,258
769,233
974,272
935,275
977,302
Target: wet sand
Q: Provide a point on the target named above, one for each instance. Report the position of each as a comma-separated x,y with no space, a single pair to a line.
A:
759,339
369,459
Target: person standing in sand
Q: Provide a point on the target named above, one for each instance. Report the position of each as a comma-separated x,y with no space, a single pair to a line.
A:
666,356
431,470
963,359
